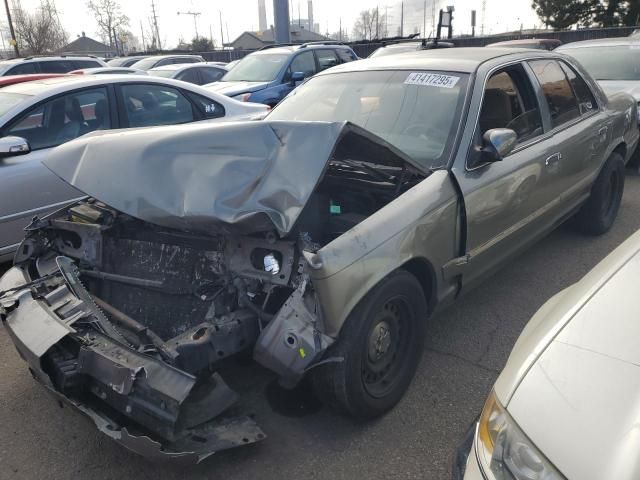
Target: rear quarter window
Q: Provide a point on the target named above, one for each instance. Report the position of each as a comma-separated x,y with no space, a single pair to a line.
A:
346,55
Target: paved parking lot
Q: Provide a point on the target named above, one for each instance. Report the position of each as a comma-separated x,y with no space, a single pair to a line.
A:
467,347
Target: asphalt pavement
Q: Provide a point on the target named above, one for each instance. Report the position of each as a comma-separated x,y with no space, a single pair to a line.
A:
467,346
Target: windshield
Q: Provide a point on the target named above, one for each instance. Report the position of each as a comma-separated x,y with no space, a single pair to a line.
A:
263,67
9,100
621,62
416,112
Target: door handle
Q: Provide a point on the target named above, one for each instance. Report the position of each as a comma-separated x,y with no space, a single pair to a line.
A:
553,159
603,131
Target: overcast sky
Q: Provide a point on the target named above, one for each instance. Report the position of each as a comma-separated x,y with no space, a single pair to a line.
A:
241,15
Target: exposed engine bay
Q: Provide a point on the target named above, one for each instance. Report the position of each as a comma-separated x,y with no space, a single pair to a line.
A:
151,312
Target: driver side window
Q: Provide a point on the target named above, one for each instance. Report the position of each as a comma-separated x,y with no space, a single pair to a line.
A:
510,102
305,63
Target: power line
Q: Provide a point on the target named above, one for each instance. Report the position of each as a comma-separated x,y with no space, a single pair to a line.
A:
195,19
155,23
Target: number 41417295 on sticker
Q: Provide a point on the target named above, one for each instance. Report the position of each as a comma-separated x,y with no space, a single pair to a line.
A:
431,80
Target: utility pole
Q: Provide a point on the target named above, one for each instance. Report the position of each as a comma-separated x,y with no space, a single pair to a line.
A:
195,19
377,23
14,41
155,23
213,45
424,20
402,19
340,38
144,49
221,31
484,11
433,15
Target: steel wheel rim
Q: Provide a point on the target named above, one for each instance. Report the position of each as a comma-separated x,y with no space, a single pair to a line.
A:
386,349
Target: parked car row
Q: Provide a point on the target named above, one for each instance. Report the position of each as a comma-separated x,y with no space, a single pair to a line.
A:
320,238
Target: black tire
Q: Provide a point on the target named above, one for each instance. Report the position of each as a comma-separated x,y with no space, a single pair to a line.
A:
634,161
599,212
381,344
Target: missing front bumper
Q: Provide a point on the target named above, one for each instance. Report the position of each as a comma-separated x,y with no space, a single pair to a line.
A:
142,403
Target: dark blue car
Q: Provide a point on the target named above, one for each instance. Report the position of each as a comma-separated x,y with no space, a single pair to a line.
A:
268,75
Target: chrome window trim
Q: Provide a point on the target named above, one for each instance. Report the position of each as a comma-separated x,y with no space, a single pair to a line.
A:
544,135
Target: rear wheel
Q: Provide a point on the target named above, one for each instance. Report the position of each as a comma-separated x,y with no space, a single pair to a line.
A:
599,212
381,344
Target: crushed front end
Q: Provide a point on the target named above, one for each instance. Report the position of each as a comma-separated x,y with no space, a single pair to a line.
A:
131,323
129,304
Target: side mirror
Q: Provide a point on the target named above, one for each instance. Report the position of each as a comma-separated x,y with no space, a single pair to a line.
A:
497,143
297,77
12,146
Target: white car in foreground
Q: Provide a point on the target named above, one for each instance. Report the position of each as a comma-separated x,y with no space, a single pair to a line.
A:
39,115
567,404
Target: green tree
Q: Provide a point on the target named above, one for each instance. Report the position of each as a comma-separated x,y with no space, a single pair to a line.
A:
561,14
613,13
201,44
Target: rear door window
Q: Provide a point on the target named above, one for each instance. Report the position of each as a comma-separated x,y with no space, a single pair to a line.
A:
563,104
22,69
583,93
56,66
326,59
148,105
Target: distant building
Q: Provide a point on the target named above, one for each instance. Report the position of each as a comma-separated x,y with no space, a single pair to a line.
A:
256,40
84,45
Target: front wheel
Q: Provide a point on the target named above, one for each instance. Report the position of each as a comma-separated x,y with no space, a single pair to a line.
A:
601,209
380,346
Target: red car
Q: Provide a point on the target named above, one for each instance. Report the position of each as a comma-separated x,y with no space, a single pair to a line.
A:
11,79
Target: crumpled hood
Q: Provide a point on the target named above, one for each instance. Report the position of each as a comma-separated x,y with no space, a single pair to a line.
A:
241,177
236,88
614,86
583,392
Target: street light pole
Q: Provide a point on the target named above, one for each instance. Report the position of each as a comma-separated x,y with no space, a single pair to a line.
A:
14,42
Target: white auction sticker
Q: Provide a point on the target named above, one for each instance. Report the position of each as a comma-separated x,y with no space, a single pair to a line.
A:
431,80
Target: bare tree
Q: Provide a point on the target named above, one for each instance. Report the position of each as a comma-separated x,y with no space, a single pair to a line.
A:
108,16
39,32
369,25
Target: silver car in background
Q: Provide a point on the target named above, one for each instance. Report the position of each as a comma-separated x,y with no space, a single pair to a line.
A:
566,404
40,115
613,62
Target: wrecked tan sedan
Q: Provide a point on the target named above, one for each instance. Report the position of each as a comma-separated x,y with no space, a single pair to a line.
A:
320,240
